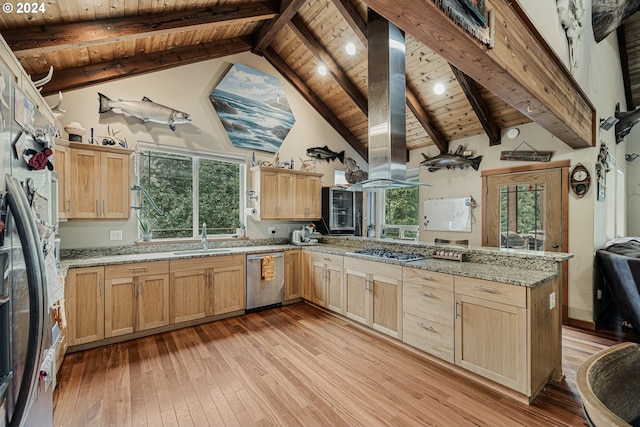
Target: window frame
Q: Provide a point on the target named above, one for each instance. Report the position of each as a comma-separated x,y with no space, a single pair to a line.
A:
196,156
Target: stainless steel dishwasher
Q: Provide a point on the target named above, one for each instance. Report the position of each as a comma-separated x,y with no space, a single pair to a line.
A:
263,293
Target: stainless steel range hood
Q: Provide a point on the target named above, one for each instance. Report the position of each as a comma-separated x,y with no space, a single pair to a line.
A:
387,107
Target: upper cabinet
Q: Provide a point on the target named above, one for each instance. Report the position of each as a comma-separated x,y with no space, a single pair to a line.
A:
93,181
285,194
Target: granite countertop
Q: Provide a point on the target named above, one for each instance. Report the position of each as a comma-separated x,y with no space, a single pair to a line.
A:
520,275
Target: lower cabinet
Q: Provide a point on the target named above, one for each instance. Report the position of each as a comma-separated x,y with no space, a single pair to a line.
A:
326,282
84,295
428,320
374,294
205,287
136,297
293,275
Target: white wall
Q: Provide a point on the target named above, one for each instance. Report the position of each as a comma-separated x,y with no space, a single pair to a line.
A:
187,89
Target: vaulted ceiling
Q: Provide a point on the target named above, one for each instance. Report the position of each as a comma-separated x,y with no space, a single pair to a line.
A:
89,42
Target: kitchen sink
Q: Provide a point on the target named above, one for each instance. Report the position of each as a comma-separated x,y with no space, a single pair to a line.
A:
203,251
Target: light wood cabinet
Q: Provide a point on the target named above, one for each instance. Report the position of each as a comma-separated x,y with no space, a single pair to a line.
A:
99,183
507,333
84,296
326,281
136,297
374,294
428,312
293,275
62,165
206,287
285,194
307,200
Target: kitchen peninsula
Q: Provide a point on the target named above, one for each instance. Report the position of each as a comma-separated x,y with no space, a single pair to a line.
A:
495,316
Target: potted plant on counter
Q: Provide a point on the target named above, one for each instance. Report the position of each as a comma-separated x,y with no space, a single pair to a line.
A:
145,228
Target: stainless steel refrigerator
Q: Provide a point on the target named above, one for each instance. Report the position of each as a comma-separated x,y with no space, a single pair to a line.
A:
26,352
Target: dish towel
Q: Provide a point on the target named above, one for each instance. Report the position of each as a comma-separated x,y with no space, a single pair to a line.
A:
268,272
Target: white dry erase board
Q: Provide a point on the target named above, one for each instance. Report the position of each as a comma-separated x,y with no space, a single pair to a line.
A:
447,214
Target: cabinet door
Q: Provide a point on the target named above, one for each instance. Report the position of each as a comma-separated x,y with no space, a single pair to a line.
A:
335,288
153,301
188,295
85,184
85,305
491,340
63,168
120,306
386,304
307,277
318,291
268,195
114,179
292,275
314,199
356,288
285,196
229,290
300,197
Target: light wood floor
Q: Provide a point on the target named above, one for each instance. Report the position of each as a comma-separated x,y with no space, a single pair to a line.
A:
293,366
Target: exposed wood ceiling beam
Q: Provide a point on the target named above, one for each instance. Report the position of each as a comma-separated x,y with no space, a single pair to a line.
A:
521,69
471,90
284,69
75,78
50,38
624,64
353,18
359,26
321,54
270,29
427,123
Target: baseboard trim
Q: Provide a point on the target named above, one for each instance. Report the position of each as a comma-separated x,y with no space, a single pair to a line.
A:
582,324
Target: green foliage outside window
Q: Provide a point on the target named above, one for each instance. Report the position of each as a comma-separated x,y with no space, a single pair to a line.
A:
171,179
401,208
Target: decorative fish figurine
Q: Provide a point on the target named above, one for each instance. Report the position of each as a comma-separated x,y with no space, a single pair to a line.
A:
324,153
145,110
449,161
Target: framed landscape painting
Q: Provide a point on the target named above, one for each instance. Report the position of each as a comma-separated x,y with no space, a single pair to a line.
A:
252,108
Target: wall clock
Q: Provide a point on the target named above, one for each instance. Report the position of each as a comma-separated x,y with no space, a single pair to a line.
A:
580,180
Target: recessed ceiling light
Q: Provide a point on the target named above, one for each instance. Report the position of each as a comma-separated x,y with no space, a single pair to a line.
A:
438,89
322,70
513,133
350,48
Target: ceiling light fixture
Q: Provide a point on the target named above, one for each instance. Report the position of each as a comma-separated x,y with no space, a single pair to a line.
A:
513,133
438,89
608,124
322,70
350,48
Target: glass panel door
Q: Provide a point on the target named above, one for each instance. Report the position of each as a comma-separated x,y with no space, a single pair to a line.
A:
342,210
521,216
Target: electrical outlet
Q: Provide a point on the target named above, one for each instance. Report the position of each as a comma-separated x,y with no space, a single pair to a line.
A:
552,300
271,230
115,234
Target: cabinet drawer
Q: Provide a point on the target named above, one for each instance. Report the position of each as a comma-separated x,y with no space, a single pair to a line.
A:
429,278
213,261
428,302
332,260
430,337
136,269
492,291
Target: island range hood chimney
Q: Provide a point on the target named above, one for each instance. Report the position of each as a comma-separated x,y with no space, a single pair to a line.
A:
387,107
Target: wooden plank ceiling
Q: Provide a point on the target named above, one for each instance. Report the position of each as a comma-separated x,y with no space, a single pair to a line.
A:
92,42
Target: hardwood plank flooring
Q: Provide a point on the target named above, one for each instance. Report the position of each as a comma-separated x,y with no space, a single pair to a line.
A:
295,366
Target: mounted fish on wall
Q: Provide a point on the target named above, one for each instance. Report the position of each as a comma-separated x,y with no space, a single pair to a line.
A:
450,161
145,110
253,109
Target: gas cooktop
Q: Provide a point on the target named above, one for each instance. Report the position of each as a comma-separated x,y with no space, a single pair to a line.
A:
379,253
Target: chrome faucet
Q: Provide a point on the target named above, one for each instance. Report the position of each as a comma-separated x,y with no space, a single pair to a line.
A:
205,243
